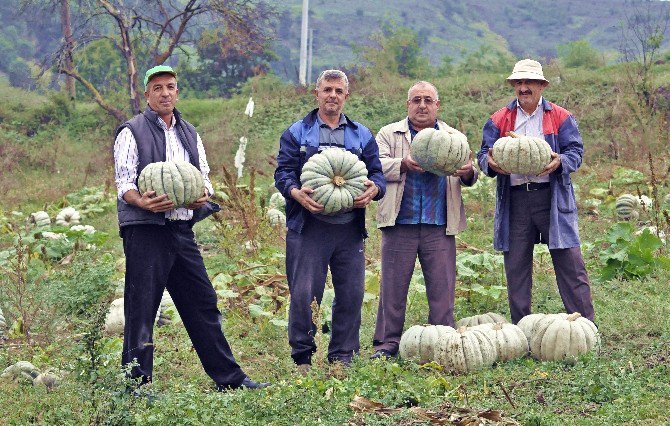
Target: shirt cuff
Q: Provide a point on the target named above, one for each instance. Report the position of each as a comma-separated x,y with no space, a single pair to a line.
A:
125,188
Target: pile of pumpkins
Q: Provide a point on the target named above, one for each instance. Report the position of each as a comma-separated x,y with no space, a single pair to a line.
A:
480,341
68,216
26,372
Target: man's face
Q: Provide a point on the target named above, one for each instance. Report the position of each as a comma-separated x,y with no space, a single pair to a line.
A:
422,107
161,94
331,96
528,92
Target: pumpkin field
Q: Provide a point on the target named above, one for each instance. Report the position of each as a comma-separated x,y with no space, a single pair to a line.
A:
62,265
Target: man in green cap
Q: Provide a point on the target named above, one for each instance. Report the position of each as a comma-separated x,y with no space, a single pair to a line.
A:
158,239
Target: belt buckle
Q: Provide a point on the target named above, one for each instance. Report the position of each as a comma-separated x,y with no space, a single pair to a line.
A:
528,187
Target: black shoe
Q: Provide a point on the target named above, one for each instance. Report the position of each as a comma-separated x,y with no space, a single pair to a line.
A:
383,354
247,383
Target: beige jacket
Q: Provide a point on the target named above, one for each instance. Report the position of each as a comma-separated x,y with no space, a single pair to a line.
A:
394,141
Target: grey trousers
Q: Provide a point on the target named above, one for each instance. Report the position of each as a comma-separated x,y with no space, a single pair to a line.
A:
529,218
308,256
437,255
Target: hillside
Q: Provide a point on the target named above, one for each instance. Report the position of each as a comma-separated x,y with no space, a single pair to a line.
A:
452,28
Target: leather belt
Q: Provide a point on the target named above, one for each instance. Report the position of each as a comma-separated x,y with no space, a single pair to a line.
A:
531,186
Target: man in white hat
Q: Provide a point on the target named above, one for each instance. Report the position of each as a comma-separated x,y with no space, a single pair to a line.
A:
542,208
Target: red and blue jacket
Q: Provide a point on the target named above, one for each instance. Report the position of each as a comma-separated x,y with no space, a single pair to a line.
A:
300,141
562,134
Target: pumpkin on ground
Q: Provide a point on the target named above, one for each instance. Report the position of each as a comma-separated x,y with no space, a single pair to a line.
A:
524,155
626,207
276,217
115,321
47,379
487,318
40,219
337,177
68,217
3,322
180,180
441,152
528,323
563,337
22,371
418,342
466,350
509,339
666,202
277,201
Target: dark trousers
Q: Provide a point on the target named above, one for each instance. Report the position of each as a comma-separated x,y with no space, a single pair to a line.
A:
437,255
529,217
159,257
308,256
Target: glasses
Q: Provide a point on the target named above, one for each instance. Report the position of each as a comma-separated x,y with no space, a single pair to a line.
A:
427,100
526,82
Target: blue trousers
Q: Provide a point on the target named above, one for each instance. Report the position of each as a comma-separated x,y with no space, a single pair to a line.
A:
308,256
159,257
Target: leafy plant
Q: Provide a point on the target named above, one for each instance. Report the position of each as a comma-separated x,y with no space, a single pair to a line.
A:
630,256
481,273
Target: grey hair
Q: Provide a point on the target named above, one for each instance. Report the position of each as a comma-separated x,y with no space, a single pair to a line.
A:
329,75
423,83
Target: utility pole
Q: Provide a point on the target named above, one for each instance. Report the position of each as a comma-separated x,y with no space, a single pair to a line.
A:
309,56
303,42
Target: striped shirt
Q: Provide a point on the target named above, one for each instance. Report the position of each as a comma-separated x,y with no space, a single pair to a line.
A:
528,125
126,159
424,197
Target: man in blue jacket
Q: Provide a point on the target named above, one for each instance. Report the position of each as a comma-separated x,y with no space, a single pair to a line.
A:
315,241
542,208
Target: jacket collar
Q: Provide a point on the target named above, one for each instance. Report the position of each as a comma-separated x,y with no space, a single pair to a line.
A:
310,119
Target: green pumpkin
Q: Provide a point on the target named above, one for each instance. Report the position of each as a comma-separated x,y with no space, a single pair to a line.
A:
40,219
441,152
276,217
337,177
626,207
525,155
180,180
277,201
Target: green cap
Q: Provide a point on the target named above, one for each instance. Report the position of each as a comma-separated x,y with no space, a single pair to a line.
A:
157,70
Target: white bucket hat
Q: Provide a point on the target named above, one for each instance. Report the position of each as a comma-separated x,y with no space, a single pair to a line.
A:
527,69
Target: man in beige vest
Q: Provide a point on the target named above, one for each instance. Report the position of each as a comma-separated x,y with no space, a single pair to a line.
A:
419,216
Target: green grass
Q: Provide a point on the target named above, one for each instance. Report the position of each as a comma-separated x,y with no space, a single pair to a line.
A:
626,382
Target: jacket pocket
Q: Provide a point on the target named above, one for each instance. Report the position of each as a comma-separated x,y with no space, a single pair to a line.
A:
565,197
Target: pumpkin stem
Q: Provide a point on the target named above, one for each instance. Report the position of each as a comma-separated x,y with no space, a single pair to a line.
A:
574,316
338,180
461,329
497,326
512,134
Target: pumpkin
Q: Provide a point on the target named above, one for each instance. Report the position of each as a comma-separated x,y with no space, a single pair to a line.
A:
40,219
167,312
666,202
418,342
487,318
3,322
524,155
466,350
115,321
68,217
337,177
22,371
563,337
441,152
509,339
626,207
86,229
47,379
276,217
528,323
277,201
180,180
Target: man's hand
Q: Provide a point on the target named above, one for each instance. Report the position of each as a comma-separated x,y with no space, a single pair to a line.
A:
408,164
467,171
366,197
554,164
302,196
199,202
149,201
494,166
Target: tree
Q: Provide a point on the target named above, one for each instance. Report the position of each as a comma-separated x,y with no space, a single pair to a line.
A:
158,28
395,50
642,34
580,54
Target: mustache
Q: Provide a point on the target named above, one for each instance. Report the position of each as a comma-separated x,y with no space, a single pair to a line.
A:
527,92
